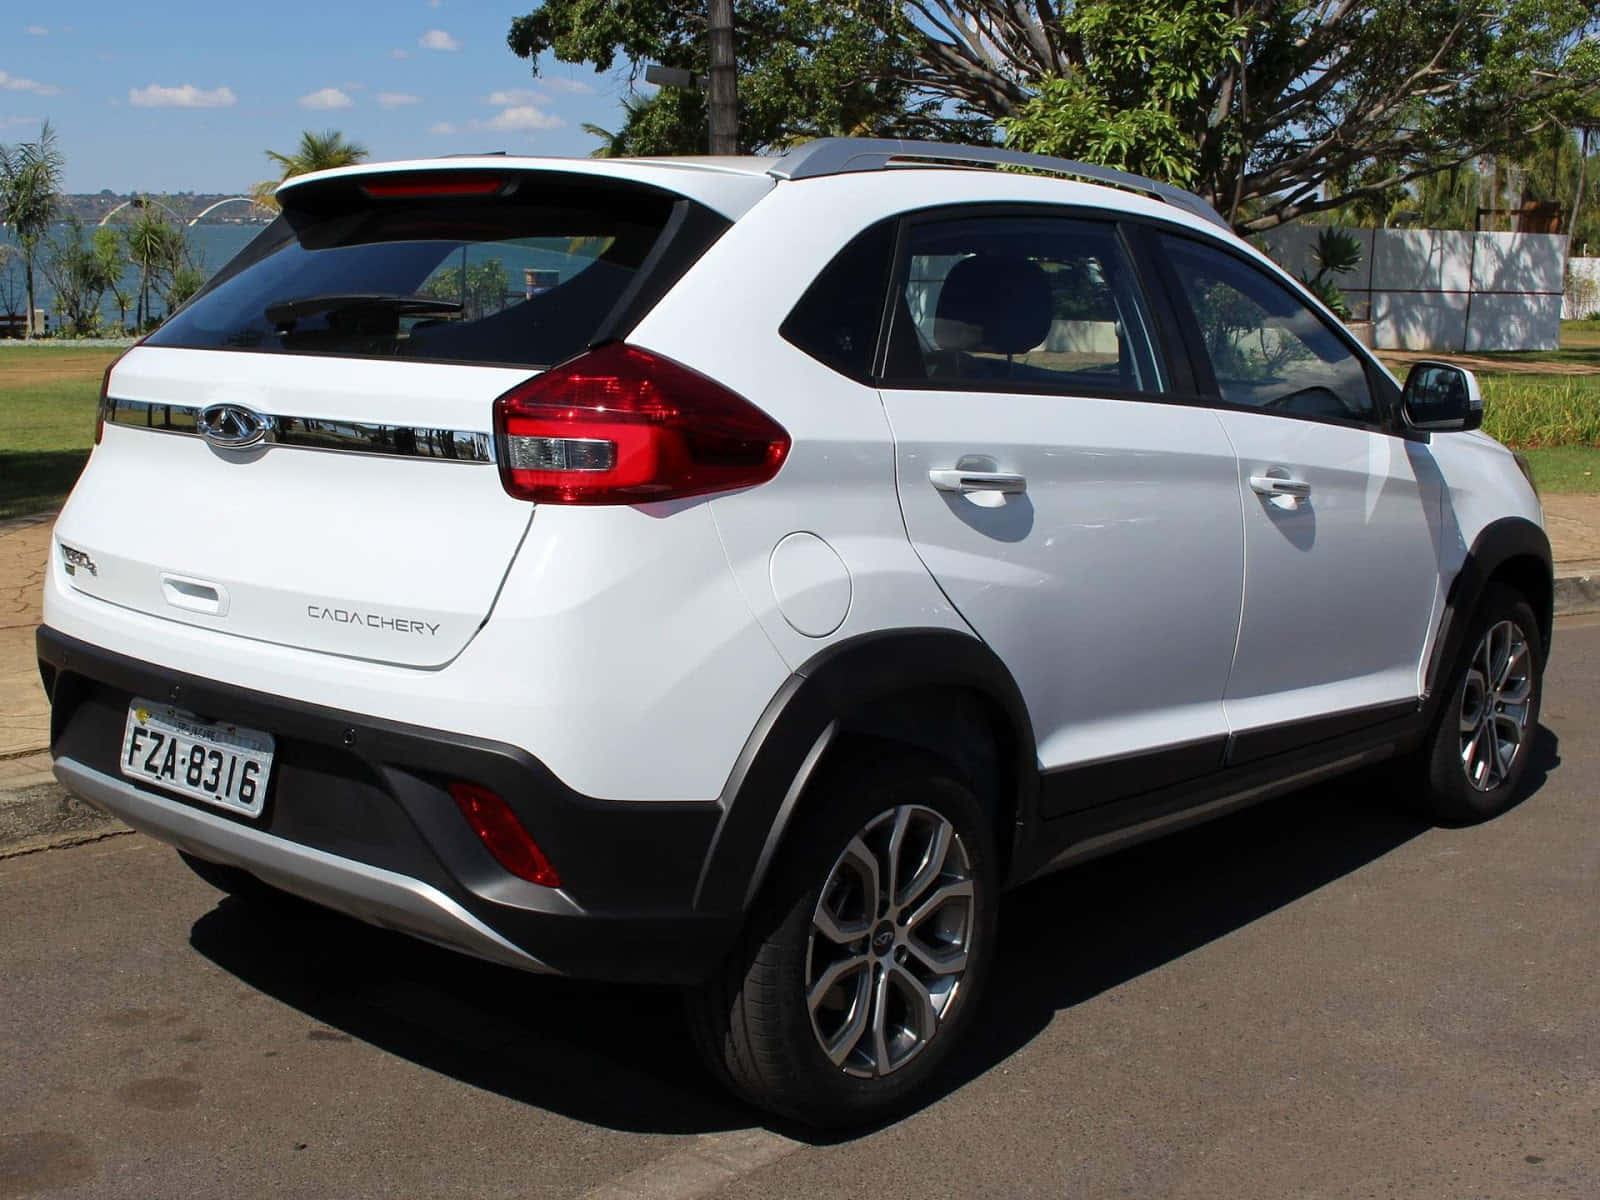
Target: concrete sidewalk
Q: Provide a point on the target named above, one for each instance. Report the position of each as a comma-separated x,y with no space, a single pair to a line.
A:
1573,523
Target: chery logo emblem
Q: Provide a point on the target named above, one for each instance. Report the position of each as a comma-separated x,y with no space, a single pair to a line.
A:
232,426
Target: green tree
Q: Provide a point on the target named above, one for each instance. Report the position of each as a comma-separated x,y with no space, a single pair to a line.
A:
30,196
107,248
148,238
806,69
79,275
316,152
1274,109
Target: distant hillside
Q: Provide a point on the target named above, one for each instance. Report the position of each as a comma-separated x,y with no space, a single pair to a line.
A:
90,208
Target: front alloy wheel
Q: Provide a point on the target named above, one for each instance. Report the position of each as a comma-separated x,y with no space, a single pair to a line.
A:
1496,700
1480,744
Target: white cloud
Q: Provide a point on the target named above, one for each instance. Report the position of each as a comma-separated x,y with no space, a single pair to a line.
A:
441,127
5,122
186,96
38,30
15,83
328,97
509,97
396,99
438,39
576,87
524,118
399,54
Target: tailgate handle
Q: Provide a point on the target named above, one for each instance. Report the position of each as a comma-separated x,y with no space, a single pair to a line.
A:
195,595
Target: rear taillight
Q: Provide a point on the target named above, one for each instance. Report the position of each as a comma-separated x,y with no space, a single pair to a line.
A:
619,425
105,392
502,834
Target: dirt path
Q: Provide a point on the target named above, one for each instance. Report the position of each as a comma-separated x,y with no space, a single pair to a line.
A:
1484,365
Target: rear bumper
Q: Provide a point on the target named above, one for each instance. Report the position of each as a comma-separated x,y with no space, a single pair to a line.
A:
369,893
357,817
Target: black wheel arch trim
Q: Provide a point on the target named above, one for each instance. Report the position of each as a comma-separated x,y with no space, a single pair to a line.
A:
818,704
1498,544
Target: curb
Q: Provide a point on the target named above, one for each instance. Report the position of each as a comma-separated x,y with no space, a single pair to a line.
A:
1577,594
44,816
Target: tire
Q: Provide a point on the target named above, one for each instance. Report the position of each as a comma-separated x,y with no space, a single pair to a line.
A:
1496,685
810,935
239,883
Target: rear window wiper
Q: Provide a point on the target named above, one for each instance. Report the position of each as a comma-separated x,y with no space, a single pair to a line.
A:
286,312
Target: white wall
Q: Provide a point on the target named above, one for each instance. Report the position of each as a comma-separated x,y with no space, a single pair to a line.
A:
1444,290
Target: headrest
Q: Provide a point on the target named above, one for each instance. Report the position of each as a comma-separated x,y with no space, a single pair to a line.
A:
994,303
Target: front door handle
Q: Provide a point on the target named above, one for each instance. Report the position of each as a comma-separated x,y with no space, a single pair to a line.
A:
955,479
1273,485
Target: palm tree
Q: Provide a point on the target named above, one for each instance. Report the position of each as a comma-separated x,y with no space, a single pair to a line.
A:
316,152
30,194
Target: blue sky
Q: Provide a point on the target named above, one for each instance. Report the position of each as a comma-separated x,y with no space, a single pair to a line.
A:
181,96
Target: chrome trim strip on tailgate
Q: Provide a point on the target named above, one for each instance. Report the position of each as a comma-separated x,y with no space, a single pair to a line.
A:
368,893
306,433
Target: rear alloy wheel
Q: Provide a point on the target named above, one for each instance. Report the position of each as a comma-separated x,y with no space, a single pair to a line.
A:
1483,739
887,954
862,961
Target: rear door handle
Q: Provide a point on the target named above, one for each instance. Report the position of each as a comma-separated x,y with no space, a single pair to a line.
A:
1272,485
954,479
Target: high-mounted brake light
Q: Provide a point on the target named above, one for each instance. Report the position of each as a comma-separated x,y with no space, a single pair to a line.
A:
620,425
502,834
432,184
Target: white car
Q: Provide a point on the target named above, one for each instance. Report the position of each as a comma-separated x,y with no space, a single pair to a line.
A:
735,572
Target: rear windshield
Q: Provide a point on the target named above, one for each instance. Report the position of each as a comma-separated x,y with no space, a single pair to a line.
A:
526,280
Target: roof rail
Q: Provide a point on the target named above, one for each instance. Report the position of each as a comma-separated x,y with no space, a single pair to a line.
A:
841,156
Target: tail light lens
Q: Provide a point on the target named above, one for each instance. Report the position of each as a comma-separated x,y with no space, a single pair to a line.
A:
502,834
619,425
105,391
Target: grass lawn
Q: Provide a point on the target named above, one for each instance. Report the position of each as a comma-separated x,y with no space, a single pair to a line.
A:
1565,468
47,402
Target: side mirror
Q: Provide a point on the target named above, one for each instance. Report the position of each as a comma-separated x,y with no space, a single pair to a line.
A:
1442,398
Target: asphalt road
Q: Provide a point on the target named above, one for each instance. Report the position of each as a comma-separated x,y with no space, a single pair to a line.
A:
1321,997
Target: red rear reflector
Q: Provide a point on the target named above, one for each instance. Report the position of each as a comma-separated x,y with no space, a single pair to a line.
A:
432,183
620,425
502,834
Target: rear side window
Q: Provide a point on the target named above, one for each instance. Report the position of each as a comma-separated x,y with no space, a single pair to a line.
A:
525,279
1021,304
836,321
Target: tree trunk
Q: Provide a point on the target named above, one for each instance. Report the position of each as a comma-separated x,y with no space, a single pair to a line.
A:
27,275
724,79
1577,196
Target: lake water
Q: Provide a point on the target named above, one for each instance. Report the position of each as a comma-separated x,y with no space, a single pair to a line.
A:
212,245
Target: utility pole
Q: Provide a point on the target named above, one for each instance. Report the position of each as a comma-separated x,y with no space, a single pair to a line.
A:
724,79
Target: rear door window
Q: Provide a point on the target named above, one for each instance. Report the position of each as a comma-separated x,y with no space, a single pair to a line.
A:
1001,303
525,279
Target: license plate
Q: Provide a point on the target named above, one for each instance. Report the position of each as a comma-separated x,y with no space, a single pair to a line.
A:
219,763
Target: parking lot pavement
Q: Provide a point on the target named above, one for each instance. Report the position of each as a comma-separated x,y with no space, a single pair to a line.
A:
1319,997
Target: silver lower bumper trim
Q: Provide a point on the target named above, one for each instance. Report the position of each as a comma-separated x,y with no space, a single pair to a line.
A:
367,893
